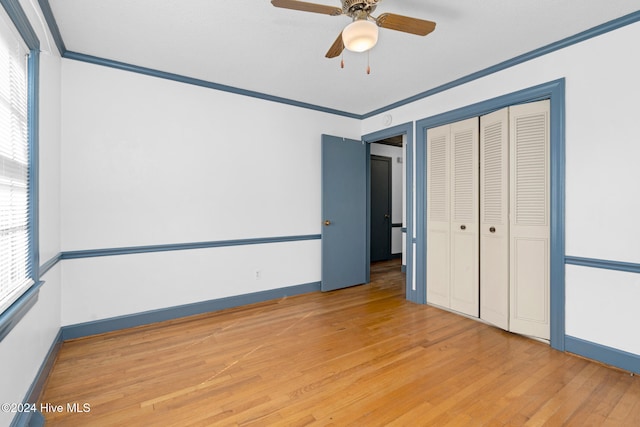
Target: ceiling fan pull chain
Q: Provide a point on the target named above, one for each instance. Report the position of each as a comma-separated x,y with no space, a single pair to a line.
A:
368,67
342,61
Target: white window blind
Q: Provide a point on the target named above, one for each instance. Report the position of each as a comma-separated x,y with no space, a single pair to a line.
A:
15,268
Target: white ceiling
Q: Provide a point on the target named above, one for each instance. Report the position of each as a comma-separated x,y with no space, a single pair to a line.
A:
252,45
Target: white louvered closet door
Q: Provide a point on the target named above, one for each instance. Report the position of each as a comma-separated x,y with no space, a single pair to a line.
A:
494,218
529,224
438,265
464,217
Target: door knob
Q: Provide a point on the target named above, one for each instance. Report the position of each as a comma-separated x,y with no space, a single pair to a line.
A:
463,227
386,216
327,222
492,229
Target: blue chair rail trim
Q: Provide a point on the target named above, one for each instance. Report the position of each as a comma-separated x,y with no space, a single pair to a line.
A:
90,253
611,356
44,268
176,312
602,263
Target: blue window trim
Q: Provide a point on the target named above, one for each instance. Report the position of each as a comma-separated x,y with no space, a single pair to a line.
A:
11,316
555,92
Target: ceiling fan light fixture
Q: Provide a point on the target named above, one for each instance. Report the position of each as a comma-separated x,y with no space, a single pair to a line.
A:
360,36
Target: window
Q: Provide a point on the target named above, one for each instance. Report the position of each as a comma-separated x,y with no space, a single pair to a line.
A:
15,240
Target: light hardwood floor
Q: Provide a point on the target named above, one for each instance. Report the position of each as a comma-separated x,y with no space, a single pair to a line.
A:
360,356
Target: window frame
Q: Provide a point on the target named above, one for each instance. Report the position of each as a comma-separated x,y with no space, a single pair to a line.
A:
16,311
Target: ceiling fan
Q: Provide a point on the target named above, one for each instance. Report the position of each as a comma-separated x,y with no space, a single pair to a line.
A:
362,34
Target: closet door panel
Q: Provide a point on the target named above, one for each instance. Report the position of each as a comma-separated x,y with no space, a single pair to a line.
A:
494,218
529,224
530,307
464,217
438,269
438,221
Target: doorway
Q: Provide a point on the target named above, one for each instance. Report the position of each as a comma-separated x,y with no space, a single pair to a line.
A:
389,151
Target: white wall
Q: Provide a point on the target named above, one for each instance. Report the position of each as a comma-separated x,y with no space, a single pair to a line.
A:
23,350
104,287
148,161
604,306
397,191
602,201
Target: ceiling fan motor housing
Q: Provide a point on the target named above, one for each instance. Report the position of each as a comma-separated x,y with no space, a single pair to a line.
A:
355,8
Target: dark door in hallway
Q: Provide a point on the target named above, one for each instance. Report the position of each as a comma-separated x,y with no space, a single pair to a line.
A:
380,208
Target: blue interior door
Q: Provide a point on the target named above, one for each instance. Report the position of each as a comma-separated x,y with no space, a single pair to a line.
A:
344,213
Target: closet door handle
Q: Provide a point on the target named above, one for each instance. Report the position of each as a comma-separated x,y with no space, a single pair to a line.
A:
463,227
492,229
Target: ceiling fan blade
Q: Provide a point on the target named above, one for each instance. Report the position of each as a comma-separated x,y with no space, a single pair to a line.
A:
336,48
307,7
407,24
